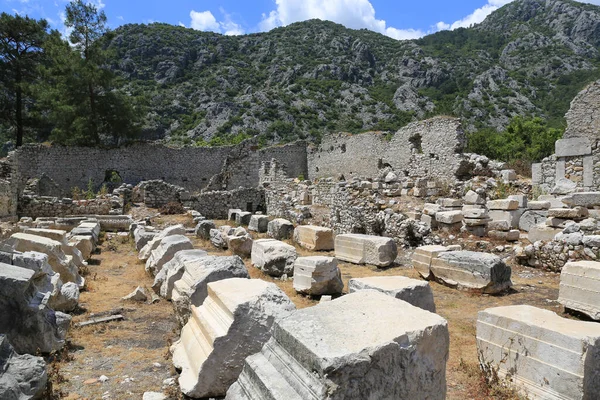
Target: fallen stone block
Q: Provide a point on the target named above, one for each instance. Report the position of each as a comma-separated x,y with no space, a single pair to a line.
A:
538,205
476,222
203,229
475,213
232,214
280,229
531,218
233,323
422,258
84,244
499,225
557,222
473,198
240,245
139,294
22,377
173,270
258,223
413,291
508,175
580,287
243,218
54,234
431,209
366,249
544,355
568,213
165,252
191,289
450,203
88,228
153,244
482,272
503,204
337,350
317,276
429,221
511,216
543,233
316,238
582,199
449,217
507,236
218,238
273,257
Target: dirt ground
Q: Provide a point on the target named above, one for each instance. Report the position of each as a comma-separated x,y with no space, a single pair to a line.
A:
133,353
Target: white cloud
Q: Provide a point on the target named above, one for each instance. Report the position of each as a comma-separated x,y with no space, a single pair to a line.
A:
206,21
475,17
355,14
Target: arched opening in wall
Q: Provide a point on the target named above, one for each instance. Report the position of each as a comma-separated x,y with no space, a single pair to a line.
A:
416,142
112,179
343,148
249,206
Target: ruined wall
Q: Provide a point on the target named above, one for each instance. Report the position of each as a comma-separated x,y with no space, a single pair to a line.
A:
45,206
189,167
583,117
430,148
216,204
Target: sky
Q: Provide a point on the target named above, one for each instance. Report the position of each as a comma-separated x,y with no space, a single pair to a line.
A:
399,19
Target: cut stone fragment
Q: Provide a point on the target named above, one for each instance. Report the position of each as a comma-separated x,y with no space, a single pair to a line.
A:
139,294
84,244
191,289
233,322
507,236
22,377
165,252
538,205
479,213
568,213
580,287
218,238
582,199
240,245
543,233
473,198
365,345
258,223
274,257
366,249
280,229
503,204
546,356
449,217
499,225
153,244
413,291
232,214
203,229
531,218
483,272
422,258
315,238
317,275
243,218
172,271
511,216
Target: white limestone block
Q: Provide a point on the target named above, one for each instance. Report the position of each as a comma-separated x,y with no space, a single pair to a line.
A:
233,322
165,251
315,238
546,356
274,257
317,275
422,258
280,229
568,213
413,291
580,287
153,244
449,217
258,223
503,204
366,249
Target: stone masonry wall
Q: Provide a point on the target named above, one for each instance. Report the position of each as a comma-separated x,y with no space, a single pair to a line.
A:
44,206
216,204
430,148
583,117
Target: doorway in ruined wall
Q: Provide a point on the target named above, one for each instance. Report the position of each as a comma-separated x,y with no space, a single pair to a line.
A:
575,161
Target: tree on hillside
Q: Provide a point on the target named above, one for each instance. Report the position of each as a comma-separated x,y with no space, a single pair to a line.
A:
22,42
81,89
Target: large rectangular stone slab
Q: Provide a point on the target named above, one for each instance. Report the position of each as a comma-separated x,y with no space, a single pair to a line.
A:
580,287
274,257
317,275
542,232
512,216
546,356
582,199
313,237
572,147
413,291
423,256
366,249
449,217
482,272
503,204
366,345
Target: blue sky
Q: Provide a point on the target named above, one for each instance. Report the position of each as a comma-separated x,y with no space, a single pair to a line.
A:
400,19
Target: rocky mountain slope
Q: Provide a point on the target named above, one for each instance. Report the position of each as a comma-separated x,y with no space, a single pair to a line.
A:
528,58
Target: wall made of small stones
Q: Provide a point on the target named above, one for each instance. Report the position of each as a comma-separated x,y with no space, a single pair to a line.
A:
216,204
43,206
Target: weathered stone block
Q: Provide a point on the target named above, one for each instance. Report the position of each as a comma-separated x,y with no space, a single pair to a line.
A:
546,356
423,256
413,291
572,147
165,252
23,377
240,245
473,198
503,204
233,322
366,249
273,257
580,287
317,276
259,223
450,203
499,225
538,205
568,213
449,217
173,270
153,244
521,198
476,213
543,233
508,236
243,218
280,229
582,199
482,272
203,229
511,216
232,214
313,237
508,175
350,348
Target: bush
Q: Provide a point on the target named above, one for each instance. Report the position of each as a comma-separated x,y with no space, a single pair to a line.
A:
172,208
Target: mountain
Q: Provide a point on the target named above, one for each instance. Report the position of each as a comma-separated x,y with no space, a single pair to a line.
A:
530,57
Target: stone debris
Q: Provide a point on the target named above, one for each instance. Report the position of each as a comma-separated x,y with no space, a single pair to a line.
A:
274,257
84,244
483,272
243,218
317,275
546,356
280,229
173,270
365,345
139,294
366,249
577,213
58,260
142,235
543,233
503,204
154,396
580,287
233,322
413,291
423,256
26,319
232,213
582,199
191,289
203,229
259,223
316,238
218,238
165,251
240,245
22,377
153,244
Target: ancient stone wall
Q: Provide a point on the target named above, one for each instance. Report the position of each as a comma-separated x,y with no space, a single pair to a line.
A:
583,117
44,206
430,148
216,204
